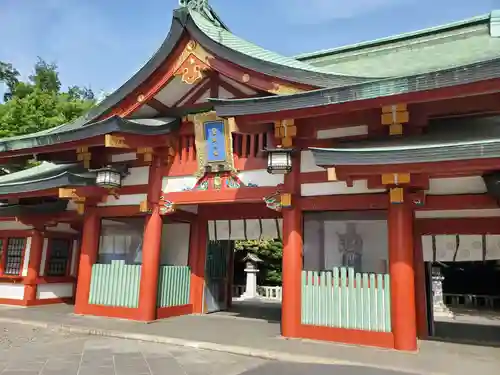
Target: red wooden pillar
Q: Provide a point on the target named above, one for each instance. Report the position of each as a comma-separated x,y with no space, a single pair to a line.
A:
35,258
197,256
292,256
151,247
88,256
401,269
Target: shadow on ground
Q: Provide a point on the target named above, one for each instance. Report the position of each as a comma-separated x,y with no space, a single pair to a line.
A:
270,312
473,334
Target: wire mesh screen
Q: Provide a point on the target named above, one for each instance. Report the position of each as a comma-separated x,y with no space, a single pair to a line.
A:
14,256
59,256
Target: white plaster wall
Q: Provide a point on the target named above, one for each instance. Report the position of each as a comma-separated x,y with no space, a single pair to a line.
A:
123,157
13,225
337,188
307,163
137,176
348,131
437,214
54,290
12,291
26,260
124,200
457,185
175,244
261,177
176,184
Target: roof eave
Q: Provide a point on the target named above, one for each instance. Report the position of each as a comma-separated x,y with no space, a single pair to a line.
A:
461,75
443,153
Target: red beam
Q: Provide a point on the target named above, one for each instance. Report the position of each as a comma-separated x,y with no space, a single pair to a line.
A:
158,106
255,80
245,194
470,89
471,225
237,211
345,202
458,202
151,86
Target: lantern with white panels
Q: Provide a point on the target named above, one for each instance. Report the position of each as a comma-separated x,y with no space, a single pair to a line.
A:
109,177
279,160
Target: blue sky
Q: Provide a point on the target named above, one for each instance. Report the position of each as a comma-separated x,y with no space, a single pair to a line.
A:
101,43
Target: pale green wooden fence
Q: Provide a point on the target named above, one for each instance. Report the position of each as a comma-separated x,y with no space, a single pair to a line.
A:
115,284
344,299
173,286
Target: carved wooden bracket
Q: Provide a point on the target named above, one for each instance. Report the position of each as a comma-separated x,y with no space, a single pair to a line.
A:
286,131
395,116
83,154
146,152
396,179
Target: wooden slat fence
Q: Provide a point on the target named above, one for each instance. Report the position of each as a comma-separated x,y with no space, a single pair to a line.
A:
344,299
173,286
115,284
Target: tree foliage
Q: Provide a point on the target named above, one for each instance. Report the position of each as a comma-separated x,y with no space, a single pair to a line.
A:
270,251
39,103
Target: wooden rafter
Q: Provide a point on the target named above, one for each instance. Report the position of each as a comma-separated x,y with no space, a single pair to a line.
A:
199,93
157,105
190,92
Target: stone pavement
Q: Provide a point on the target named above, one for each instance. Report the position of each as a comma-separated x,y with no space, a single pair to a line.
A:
26,350
260,339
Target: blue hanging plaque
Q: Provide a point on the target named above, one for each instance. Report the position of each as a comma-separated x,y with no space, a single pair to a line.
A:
215,141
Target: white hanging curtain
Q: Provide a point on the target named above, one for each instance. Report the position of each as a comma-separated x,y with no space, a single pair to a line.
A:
248,229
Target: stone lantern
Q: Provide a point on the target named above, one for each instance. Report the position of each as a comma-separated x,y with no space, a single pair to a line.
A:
251,269
439,307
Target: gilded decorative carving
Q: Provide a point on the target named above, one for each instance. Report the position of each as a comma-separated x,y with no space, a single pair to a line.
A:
68,193
115,141
226,163
282,89
192,62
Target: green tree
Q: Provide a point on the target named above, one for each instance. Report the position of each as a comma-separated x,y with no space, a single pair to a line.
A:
39,103
270,251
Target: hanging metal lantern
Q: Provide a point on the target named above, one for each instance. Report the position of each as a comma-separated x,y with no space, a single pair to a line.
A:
109,177
279,160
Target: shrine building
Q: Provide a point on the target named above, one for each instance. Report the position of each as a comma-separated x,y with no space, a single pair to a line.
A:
369,161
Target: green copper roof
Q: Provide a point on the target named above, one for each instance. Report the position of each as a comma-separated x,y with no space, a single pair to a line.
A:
471,138
436,48
221,35
204,25
45,176
80,130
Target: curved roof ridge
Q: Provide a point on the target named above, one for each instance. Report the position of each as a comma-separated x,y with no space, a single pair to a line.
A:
221,35
396,38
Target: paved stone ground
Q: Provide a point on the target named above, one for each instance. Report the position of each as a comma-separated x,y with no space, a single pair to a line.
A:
25,350
261,339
